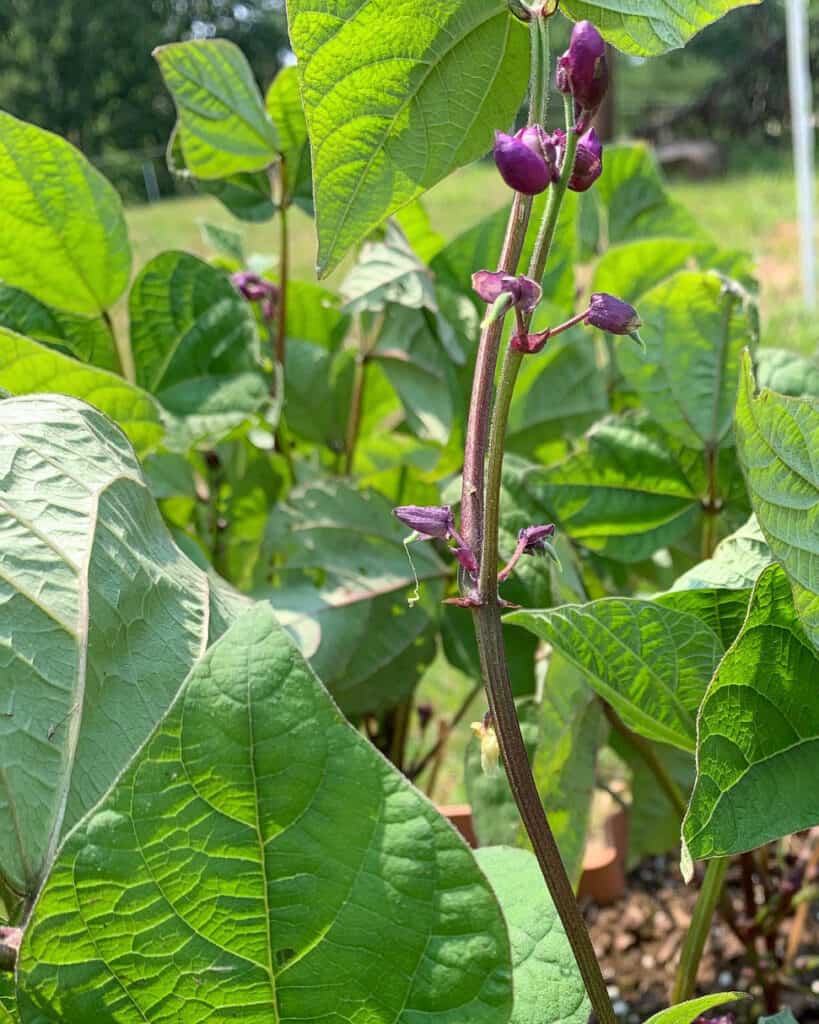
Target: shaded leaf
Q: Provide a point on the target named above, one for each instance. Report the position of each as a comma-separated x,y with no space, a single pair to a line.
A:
653,27
343,580
85,338
104,619
735,565
224,241
27,367
388,272
625,493
63,237
389,119
694,328
651,663
207,409
222,125
548,986
786,372
777,439
299,909
758,733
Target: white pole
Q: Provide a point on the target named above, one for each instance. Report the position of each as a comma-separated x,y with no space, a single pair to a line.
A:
802,128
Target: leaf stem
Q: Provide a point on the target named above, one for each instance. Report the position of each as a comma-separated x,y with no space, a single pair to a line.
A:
707,899
416,768
354,417
279,352
649,756
122,351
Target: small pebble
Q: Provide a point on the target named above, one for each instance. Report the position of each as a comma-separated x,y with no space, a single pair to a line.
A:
613,991
814,987
620,1007
725,979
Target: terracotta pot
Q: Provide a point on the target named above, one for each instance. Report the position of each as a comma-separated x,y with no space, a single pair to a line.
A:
460,815
604,863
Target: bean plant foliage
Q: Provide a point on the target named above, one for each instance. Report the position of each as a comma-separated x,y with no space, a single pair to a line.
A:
244,516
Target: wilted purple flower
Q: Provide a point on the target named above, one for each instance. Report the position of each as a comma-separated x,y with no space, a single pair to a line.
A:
437,521
588,160
253,287
523,292
526,160
428,520
724,1018
612,315
583,71
529,344
534,538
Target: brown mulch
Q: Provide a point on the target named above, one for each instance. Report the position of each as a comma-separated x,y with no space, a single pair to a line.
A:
638,941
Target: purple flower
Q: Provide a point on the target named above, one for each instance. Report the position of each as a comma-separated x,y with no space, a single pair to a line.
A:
428,520
534,538
582,71
526,160
612,315
588,160
523,292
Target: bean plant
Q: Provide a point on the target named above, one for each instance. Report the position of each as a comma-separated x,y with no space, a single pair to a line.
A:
243,516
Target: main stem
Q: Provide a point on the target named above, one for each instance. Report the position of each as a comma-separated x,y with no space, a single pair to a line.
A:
487,620
697,933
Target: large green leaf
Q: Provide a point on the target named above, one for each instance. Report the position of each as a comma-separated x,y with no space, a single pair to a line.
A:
787,372
223,128
777,439
63,237
652,26
103,619
758,733
27,367
694,327
397,99
207,409
86,338
260,860
735,565
344,579
651,663
625,493
187,320
548,985
684,1013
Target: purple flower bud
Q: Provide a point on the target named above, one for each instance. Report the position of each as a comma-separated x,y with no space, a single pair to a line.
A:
612,315
529,344
523,291
425,712
250,285
428,520
526,160
588,160
534,538
582,71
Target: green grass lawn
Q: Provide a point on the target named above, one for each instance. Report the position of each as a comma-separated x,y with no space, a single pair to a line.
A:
752,209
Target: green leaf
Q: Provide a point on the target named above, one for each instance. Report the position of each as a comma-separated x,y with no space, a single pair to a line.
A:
548,986
388,272
393,104
652,664
458,636
283,102
85,338
694,328
63,237
777,438
8,1002
344,578
318,373
104,619
783,1017
208,409
629,270
187,320
625,494
417,367
416,225
224,241
723,611
267,858
684,1013
758,733
27,367
222,126
557,395
786,372
735,565
634,200
246,196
